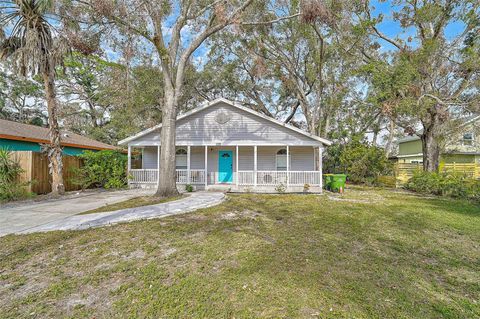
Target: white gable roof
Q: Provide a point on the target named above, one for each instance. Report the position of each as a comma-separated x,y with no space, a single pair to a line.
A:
189,116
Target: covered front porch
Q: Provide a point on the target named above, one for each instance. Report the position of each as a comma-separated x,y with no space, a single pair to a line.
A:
237,168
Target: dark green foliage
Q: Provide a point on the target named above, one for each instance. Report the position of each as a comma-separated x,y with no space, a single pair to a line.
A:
445,184
362,162
106,169
10,187
189,188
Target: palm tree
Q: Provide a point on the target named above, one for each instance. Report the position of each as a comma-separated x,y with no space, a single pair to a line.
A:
33,50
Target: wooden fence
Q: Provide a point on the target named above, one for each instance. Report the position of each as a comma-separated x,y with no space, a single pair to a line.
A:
36,171
404,171
469,169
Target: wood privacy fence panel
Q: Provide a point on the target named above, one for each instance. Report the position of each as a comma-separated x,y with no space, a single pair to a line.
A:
404,171
70,164
40,176
36,171
470,169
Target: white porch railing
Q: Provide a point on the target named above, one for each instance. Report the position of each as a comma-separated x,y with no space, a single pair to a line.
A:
271,178
143,176
197,176
263,178
246,177
293,178
301,178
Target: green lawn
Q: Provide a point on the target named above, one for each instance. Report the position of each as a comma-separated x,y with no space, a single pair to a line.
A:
366,254
133,202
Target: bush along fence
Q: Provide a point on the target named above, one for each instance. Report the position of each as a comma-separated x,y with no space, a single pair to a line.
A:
106,169
405,171
452,184
11,188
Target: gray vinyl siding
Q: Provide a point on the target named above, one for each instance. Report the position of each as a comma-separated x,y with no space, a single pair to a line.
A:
302,158
245,156
150,155
197,158
243,128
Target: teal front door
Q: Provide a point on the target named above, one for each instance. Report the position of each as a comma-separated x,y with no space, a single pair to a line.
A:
225,166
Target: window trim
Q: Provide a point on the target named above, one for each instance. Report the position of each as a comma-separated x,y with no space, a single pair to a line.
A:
468,142
181,152
277,156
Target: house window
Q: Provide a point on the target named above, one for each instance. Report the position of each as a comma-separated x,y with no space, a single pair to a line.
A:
468,138
281,161
181,159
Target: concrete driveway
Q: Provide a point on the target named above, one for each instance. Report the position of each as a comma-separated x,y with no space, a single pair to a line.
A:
25,216
193,201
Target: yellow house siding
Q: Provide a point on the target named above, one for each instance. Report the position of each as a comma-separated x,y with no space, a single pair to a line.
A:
457,158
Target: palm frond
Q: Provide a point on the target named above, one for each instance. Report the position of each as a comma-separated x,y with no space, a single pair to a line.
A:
43,6
9,46
30,42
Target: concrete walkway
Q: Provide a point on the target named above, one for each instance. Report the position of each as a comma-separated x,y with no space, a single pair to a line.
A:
193,202
19,216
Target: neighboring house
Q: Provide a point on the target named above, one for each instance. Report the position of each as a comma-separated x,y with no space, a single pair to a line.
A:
23,137
462,146
223,145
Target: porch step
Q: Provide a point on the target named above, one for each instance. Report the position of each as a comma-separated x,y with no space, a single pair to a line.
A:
220,188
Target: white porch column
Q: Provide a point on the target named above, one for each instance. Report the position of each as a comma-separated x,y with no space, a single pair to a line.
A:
236,165
255,166
129,163
158,166
206,165
288,164
188,165
320,163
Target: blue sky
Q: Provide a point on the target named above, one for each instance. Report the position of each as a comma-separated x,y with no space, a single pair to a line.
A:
393,29
389,27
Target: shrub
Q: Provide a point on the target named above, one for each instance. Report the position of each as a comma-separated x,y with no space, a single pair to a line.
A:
10,170
106,169
362,162
280,188
306,188
444,184
189,188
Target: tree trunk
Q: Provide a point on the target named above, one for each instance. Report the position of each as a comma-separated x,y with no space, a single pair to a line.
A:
55,149
391,135
430,147
374,138
167,175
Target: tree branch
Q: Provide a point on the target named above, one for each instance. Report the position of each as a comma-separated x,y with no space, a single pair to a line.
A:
271,21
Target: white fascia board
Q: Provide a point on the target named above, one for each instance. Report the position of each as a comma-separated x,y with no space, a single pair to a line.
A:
239,143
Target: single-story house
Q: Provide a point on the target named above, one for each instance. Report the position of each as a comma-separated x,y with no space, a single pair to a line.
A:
462,145
24,137
223,145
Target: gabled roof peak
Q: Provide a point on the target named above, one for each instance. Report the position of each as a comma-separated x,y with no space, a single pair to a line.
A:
243,108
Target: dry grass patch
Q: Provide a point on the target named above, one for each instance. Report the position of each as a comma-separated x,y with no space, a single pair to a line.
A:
268,256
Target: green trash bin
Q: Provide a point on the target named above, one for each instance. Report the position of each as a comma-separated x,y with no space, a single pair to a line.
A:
328,181
338,183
